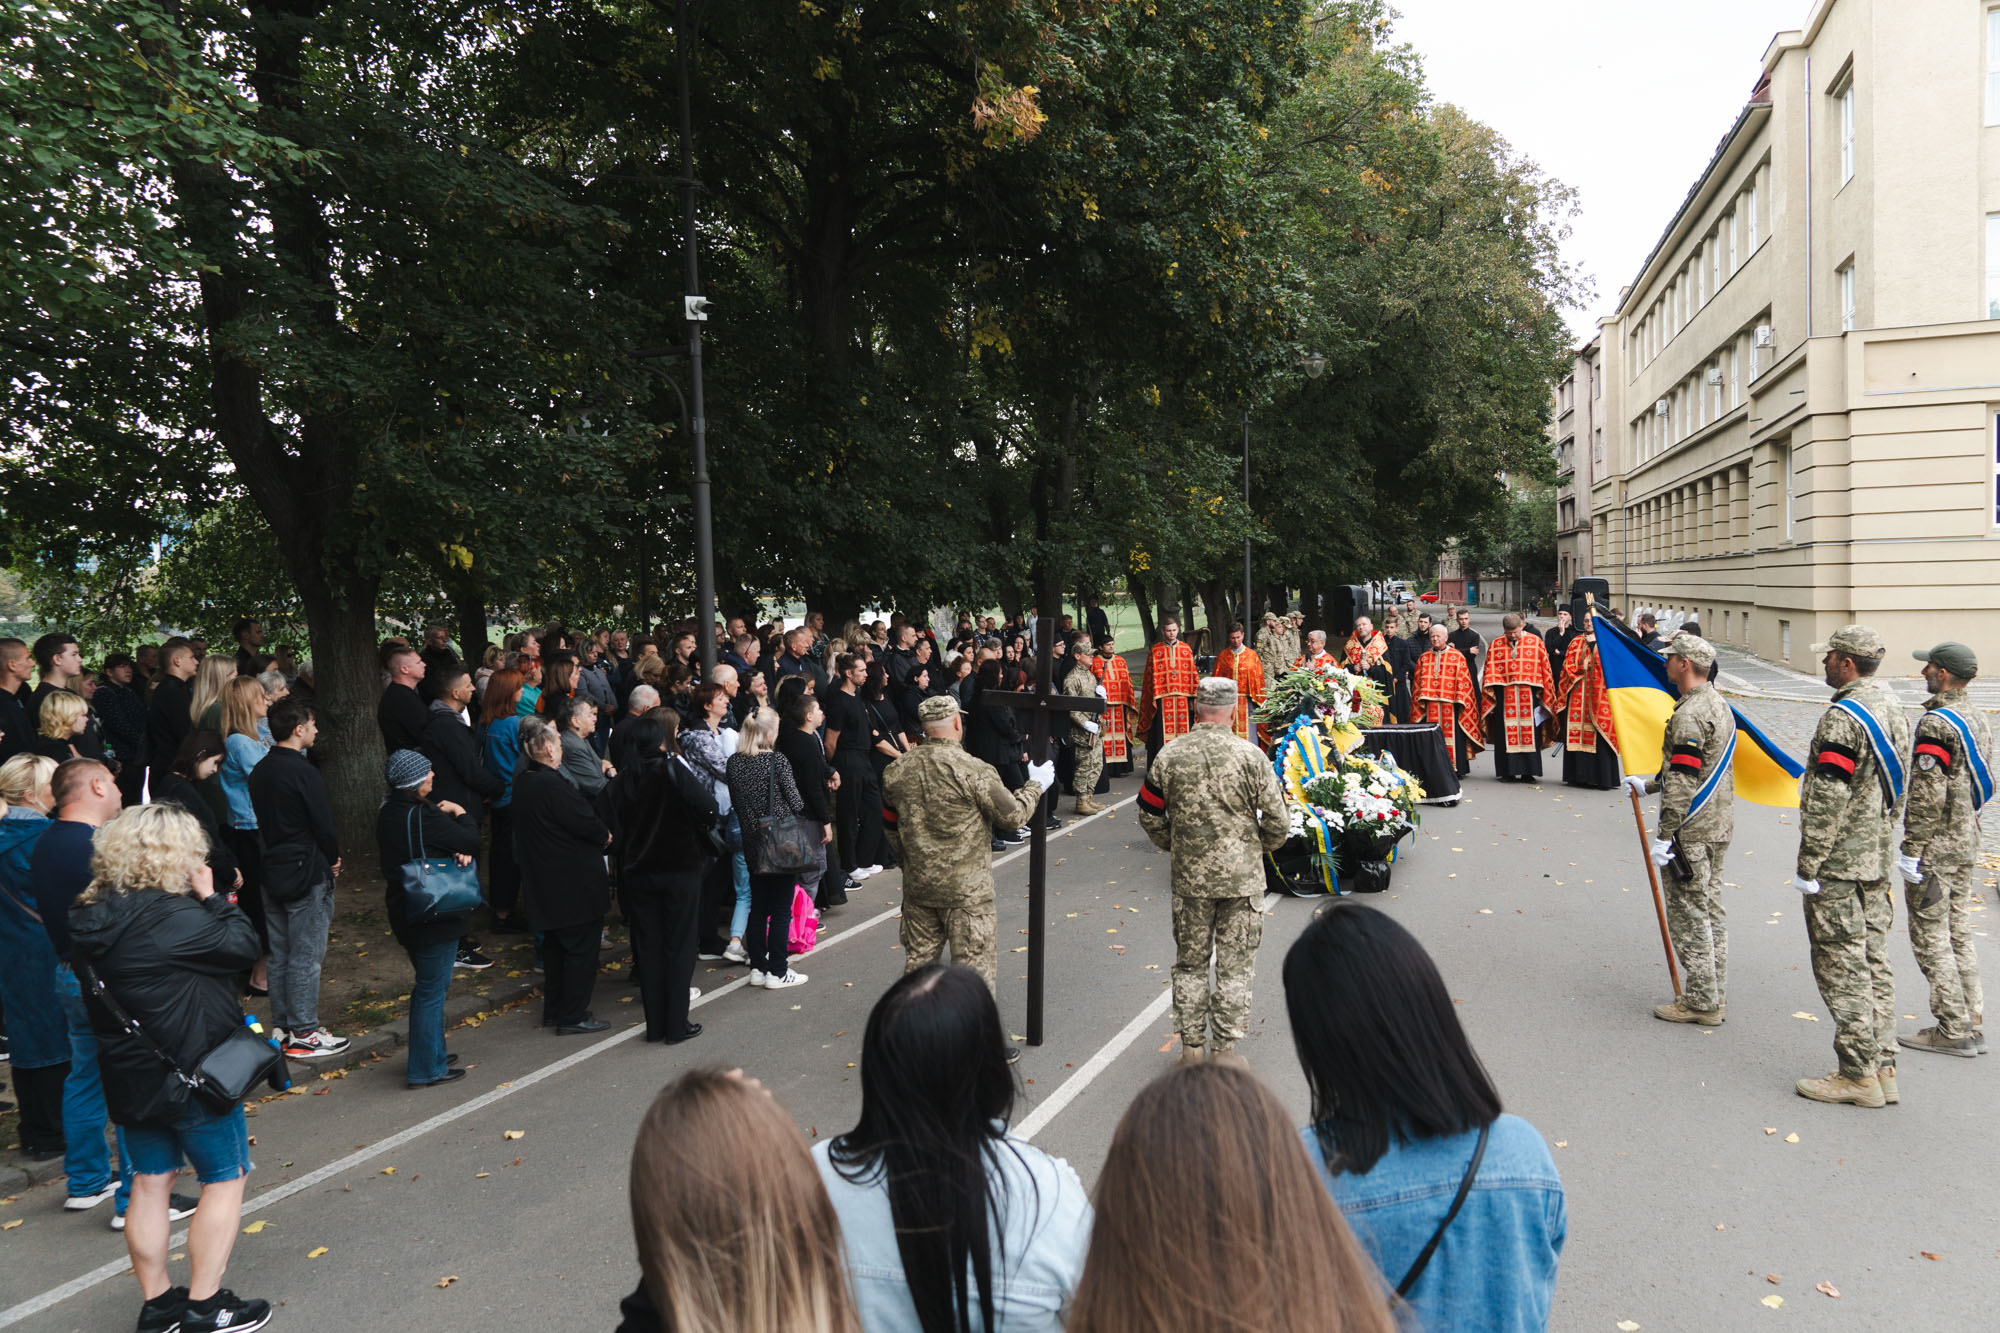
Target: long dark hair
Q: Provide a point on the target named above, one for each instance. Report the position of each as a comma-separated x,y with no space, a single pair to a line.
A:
1382,1049
934,1084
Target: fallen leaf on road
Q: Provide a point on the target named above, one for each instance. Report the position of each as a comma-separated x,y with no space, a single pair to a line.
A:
1562,1143
1486,911
1771,1278
1791,1138
513,1133
314,1254
1928,1255
1770,1129
256,1226
1829,1289
1773,1301
9,1226
1720,1227
1019,949
482,1175
447,1281
388,1170
1810,1018
1628,1326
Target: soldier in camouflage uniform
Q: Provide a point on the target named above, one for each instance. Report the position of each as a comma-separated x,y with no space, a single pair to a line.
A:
940,806
1082,682
1847,818
1696,738
1940,849
1271,643
1211,800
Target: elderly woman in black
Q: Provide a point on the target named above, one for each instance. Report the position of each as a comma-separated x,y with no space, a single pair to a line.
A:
560,843
664,813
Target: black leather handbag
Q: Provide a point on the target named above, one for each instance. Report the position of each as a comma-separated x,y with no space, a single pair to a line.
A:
781,842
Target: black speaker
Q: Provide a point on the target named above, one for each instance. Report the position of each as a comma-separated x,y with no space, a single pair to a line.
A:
1349,600
1600,589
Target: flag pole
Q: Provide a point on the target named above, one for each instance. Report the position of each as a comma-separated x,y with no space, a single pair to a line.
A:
1659,902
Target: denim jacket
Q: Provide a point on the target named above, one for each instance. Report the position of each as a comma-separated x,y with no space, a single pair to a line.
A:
1495,1268
240,755
1045,1231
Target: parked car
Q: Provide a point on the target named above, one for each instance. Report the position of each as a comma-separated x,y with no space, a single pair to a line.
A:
1428,597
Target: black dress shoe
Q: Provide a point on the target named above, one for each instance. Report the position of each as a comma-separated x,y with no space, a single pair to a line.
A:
450,1076
688,1033
452,1058
585,1028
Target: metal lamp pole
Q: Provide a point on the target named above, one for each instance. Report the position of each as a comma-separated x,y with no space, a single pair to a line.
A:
695,310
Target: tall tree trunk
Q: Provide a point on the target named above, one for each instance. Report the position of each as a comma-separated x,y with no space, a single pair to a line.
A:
1163,598
468,602
347,686
1142,604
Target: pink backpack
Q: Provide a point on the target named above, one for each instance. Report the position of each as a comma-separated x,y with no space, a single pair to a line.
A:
805,922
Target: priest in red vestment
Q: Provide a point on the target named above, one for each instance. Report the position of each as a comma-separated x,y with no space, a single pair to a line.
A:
1583,707
1517,690
1116,678
1443,694
1315,657
1246,668
1169,690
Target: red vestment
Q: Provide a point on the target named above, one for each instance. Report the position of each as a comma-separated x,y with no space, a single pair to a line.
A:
1444,695
1514,671
1365,657
1318,661
1169,689
1116,677
1583,702
1246,668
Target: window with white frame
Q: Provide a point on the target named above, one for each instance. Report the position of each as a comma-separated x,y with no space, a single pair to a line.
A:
1715,373
1756,356
1750,219
1846,277
1715,263
1993,66
1791,490
1699,296
1735,380
1729,230
1846,99
1993,261
1597,447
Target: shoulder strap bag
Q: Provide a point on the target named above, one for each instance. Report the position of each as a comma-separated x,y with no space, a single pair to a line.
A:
1458,1201
225,1075
434,886
781,842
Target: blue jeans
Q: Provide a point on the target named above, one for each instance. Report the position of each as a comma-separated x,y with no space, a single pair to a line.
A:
215,1143
739,869
86,1159
433,963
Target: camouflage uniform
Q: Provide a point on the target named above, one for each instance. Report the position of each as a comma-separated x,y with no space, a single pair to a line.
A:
1941,831
1212,801
1845,829
1697,734
940,806
1088,748
1270,649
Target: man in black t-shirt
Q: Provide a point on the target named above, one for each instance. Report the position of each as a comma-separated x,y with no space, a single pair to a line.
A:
849,738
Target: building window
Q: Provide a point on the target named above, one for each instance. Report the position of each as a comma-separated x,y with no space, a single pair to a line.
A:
1729,230
1846,97
1791,492
1993,67
1994,460
1699,296
1846,276
1725,627
1715,374
1750,219
1785,640
1735,380
1715,263
1597,447
1993,261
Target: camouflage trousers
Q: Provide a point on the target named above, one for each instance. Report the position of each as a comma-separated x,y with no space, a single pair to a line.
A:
1697,922
967,926
1089,763
1941,936
1228,930
1847,925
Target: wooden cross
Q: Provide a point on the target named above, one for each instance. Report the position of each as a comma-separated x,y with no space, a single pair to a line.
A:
1042,704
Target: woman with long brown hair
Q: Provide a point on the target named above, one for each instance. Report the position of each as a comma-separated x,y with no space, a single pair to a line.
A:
734,1231
1211,1219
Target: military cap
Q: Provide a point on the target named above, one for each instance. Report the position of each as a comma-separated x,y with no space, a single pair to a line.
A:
1953,657
1694,648
936,709
1215,692
1852,641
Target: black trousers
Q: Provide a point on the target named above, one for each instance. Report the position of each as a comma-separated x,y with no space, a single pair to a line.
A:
41,1094
858,815
659,911
715,905
248,849
768,937
569,972
503,872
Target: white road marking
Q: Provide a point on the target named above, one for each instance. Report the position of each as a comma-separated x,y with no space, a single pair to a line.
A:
271,1197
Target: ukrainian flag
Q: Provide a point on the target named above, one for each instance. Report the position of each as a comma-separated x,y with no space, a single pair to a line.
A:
1641,700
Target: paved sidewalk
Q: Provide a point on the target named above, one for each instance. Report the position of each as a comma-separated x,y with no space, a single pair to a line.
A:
1745,674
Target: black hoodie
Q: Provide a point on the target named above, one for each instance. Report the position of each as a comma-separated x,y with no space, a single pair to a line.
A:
171,961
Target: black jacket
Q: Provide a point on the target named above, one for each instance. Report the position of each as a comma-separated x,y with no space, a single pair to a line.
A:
169,786
459,772
401,715
122,714
16,730
559,843
290,799
661,810
399,839
807,754
167,719
171,961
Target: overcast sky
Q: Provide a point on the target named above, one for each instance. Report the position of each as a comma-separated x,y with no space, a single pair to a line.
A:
1622,100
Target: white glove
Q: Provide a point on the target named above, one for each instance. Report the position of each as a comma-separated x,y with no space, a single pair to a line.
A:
1043,775
1636,785
1663,851
1102,693
1911,869
1805,886
1089,726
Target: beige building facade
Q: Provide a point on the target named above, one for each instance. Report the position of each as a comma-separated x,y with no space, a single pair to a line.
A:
1802,385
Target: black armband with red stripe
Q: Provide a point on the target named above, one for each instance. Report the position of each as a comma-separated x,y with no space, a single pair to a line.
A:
1152,800
1837,762
889,817
1687,757
1938,752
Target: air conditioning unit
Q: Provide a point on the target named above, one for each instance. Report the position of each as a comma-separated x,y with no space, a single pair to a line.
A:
1763,337
1713,377
1660,408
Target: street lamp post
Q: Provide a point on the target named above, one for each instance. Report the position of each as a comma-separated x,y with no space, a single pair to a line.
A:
1313,363
694,311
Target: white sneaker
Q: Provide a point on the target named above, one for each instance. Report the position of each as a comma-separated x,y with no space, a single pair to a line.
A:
759,978
872,871
735,952
694,993
79,1203
313,1045
787,981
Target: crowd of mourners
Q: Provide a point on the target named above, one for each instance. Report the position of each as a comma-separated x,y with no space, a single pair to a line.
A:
168,847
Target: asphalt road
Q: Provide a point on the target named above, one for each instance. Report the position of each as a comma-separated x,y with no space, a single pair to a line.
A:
1685,1190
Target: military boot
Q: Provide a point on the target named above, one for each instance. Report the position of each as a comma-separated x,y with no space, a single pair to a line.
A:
1838,1088
1979,1036
1933,1039
1192,1055
1086,806
1886,1076
1680,1012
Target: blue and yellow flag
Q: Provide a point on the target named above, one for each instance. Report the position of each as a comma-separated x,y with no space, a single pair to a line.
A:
1635,677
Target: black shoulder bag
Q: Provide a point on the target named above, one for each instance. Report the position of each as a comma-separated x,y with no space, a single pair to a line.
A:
1458,1202
783,842
225,1075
